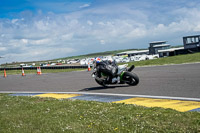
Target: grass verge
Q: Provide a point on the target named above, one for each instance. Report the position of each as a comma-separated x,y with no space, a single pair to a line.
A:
33,114
179,59
12,72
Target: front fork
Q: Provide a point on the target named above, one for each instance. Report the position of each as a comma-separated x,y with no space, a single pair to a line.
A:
121,76
103,78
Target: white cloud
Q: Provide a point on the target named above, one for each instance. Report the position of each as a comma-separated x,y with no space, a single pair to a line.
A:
37,54
89,22
197,28
48,36
67,36
41,25
84,5
102,42
24,41
101,23
14,20
44,41
3,49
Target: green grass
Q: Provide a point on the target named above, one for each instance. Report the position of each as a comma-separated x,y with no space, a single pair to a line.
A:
42,115
13,72
179,59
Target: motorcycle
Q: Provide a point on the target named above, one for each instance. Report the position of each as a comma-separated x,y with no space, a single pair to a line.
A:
106,74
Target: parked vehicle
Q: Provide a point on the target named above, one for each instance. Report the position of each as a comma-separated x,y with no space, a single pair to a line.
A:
25,65
126,59
106,73
43,64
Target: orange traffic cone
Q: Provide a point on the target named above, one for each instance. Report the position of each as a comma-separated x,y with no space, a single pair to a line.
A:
39,71
89,69
5,73
23,74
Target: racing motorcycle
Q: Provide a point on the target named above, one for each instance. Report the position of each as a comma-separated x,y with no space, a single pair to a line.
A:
106,73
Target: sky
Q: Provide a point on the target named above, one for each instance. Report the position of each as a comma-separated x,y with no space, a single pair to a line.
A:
34,30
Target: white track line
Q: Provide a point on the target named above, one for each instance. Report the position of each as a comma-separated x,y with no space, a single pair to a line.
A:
111,94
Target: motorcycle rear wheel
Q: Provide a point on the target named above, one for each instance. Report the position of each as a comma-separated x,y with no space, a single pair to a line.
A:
130,78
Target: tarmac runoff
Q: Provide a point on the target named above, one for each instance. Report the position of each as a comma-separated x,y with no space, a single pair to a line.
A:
176,103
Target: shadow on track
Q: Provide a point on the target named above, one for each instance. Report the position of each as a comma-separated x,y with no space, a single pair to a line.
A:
102,88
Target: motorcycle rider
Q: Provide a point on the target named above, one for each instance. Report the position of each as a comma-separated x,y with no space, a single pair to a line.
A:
108,66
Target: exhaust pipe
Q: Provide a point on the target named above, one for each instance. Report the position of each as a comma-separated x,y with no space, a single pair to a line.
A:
131,68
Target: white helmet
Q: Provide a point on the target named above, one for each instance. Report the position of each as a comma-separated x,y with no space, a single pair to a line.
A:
110,59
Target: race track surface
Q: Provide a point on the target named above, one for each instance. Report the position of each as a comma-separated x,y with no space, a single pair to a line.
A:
170,80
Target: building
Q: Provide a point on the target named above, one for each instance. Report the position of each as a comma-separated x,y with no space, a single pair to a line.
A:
162,49
191,45
170,52
191,42
133,53
157,45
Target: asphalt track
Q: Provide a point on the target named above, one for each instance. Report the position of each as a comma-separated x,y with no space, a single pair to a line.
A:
170,81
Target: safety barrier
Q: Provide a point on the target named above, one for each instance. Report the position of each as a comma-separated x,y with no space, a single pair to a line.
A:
44,67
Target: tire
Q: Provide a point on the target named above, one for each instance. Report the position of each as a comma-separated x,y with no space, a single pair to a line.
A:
100,83
130,78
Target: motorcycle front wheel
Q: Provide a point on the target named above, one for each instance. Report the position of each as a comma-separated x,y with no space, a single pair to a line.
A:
100,83
130,78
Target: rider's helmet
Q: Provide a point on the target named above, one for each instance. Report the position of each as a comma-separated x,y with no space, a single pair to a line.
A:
98,60
110,60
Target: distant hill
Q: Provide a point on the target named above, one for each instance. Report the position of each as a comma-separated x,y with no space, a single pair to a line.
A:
97,54
70,57
106,53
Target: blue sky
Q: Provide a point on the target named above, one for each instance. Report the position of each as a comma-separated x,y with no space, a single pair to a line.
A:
32,30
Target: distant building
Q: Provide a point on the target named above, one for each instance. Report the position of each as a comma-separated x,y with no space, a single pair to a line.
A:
158,45
191,42
170,52
163,49
133,53
191,45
